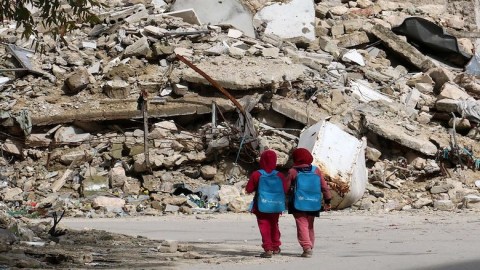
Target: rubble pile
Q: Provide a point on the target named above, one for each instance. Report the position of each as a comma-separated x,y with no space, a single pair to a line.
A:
73,135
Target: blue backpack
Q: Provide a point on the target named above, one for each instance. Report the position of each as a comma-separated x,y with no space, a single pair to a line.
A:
308,191
270,193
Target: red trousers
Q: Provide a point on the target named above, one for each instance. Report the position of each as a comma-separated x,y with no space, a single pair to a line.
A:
269,230
305,230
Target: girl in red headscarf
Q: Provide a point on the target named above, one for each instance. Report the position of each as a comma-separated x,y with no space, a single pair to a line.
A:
302,162
267,222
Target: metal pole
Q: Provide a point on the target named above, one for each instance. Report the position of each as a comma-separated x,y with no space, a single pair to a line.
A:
214,116
145,128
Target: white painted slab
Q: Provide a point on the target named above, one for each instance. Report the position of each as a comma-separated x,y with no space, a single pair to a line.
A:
290,20
341,157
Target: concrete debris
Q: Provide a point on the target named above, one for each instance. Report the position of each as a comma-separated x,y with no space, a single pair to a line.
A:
72,135
78,81
353,56
403,48
187,15
225,13
364,93
328,144
293,21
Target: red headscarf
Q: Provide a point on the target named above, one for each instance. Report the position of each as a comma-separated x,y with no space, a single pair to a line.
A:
302,156
268,161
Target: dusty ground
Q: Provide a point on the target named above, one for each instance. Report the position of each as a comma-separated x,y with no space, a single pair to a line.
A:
345,240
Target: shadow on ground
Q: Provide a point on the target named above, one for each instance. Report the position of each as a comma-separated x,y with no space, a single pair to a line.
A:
467,265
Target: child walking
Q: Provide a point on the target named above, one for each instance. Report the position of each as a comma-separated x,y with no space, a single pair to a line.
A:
307,185
270,187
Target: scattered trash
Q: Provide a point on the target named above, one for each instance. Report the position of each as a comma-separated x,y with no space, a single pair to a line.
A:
364,93
432,39
354,56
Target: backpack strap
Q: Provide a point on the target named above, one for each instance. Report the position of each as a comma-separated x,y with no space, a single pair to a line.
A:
264,173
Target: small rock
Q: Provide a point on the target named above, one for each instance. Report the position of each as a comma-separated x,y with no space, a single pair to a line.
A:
372,154
270,52
139,48
460,124
171,208
78,81
108,202
234,33
441,189
168,246
208,172
443,205
452,91
338,10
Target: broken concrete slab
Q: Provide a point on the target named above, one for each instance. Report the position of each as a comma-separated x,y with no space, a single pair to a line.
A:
297,111
127,109
353,39
188,15
12,147
233,74
315,61
362,90
71,135
60,182
292,21
226,12
389,130
452,91
403,48
139,48
37,140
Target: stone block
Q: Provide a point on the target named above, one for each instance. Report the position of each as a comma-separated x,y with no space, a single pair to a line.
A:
140,48
446,105
338,10
168,246
443,205
117,176
452,91
440,76
353,39
78,81
152,183
108,203
131,186
208,172
188,15
402,47
294,20
117,89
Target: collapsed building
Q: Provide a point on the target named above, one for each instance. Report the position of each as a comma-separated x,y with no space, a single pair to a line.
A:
164,108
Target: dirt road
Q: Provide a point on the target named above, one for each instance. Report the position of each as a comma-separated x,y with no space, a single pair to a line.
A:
345,240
